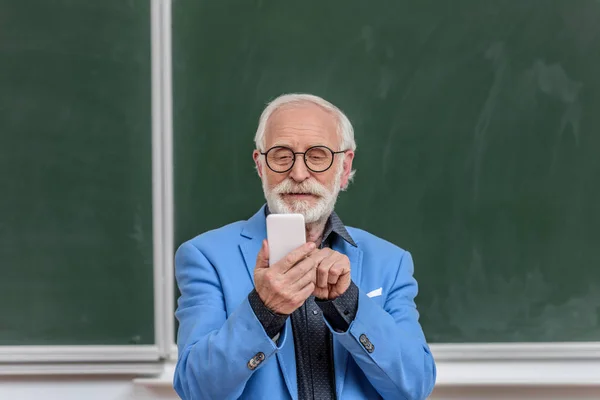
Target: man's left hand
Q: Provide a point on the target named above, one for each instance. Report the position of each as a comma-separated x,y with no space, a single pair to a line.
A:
333,274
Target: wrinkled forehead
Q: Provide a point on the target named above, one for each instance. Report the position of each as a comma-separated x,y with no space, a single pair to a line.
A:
302,125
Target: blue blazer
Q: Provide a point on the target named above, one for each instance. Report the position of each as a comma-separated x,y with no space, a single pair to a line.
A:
224,352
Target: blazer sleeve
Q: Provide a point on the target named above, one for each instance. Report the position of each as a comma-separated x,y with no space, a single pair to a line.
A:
388,343
217,354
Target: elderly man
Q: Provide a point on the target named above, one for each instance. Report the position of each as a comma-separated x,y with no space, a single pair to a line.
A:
336,318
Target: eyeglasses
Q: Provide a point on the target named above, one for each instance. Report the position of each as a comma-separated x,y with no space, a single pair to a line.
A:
281,159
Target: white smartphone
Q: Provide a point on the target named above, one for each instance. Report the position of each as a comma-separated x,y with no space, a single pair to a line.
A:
285,232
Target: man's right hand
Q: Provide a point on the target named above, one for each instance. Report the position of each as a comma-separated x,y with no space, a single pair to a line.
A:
284,286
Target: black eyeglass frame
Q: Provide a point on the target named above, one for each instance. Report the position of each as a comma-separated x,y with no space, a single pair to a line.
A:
303,153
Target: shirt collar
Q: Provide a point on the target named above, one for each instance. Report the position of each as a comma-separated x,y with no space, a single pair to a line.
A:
333,225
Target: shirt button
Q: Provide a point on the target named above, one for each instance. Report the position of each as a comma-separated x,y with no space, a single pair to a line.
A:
315,312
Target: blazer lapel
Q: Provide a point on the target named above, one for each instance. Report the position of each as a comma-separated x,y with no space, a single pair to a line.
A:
340,354
250,250
255,231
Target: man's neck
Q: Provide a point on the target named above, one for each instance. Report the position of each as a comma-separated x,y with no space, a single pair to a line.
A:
314,231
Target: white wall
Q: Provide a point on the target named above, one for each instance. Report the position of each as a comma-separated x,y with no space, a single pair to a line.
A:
79,388
455,381
123,388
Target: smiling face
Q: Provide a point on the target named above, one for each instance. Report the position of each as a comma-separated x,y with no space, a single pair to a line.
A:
300,190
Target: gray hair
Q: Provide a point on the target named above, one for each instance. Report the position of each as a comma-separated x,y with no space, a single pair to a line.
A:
344,127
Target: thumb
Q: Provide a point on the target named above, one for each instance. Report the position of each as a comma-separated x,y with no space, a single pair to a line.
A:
262,260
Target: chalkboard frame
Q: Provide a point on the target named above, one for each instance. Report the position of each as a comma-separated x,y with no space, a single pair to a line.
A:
469,359
129,359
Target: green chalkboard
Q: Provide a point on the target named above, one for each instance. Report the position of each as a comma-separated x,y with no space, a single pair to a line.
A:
75,173
478,131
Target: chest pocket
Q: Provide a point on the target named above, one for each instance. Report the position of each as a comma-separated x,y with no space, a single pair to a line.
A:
377,296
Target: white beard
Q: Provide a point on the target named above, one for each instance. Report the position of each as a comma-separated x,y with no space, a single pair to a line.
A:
319,212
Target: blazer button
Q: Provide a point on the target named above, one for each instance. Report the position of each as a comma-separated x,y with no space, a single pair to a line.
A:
364,340
256,360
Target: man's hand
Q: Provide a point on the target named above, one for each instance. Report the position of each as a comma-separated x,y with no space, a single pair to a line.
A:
333,274
285,286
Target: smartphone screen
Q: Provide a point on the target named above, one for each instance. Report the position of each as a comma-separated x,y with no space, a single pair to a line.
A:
285,232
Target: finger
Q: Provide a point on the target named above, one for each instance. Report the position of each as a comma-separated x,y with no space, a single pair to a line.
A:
340,268
302,281
294,257
321,254
262,259
307,265
323,271
306,291
334,274
320,257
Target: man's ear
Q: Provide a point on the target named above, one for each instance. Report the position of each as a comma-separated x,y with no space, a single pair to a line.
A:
347,168
256,157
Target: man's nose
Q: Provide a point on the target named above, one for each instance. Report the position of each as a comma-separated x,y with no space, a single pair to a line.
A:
299,172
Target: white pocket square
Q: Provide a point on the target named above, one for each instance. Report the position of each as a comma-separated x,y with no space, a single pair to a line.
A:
374,293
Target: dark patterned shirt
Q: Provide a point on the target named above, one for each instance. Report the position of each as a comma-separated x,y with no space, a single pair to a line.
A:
312,339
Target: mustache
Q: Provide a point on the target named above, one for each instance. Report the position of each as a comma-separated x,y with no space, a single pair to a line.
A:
288,186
